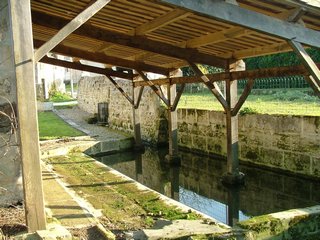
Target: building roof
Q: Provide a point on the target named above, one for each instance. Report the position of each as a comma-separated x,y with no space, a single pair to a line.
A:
166,34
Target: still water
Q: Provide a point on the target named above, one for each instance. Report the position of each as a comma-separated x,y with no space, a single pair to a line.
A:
197,184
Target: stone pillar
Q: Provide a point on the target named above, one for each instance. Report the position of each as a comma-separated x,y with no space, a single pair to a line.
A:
233,174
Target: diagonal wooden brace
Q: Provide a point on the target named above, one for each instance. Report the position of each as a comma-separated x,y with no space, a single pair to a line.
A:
313,85
120,89
243,96
307,62
154,88
137,102
69,28
214,88
177,98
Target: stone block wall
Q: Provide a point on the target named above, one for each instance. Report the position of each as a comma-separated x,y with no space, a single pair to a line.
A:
10,173
93,90
290,143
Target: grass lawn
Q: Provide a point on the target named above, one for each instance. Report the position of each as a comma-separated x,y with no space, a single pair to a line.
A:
283,101
52,127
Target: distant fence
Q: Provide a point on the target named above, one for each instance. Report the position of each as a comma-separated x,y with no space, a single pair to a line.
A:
278,82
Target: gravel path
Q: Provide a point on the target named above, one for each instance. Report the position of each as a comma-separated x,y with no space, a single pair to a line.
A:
77,118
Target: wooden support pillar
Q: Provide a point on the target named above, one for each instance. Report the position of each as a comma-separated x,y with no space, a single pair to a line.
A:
20,17
173,99
136,97
233,174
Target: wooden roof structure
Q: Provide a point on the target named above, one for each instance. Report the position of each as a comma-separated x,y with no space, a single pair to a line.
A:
161,35
156,36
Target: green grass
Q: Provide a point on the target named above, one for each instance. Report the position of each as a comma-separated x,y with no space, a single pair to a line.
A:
53,127
60,97
284,102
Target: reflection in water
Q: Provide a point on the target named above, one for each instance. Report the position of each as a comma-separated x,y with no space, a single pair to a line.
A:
196,183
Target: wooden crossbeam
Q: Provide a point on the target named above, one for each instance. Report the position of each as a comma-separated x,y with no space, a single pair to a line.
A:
260,73
69,28
138,42
154,88
306,60
126,95
161,21
243,97
213,87
103,58
239,16
86,68
178,96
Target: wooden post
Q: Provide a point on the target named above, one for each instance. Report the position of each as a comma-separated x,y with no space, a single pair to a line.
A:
172,156
233,175
136,96
20,17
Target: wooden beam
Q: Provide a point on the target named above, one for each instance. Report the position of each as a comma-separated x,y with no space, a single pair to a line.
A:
69,28
306,60
243,97
86,68
315,87
120,89
132,41
216,37
172,124
161,21
136,96
260,73
103,58
178,96
233,14
213,87
297,15
154,88
20,18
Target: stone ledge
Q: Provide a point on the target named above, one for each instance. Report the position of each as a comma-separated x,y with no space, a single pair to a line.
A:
54,232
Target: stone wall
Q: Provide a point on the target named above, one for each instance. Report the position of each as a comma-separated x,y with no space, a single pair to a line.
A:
93,90
289,143
10,175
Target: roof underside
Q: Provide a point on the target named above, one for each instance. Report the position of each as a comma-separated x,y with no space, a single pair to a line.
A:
164,24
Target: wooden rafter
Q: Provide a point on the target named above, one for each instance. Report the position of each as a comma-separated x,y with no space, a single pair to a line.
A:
138,42
82,67
69,28
177,98
161,21
154,88
233,14
243,97
102,58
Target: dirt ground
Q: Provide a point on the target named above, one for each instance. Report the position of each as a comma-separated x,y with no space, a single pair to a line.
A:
12,220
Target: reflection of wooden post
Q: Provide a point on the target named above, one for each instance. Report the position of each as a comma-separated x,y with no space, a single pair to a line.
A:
232,125
233,206
20,17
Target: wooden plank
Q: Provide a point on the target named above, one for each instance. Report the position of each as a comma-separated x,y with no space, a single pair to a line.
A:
20,17
306,60
161,21
243,96
172,123
233,14
86,68
213,87
154,88
103,58
136,95
69,28
132,41
120,89
178,96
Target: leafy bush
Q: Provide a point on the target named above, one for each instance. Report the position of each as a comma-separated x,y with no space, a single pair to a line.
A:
247,110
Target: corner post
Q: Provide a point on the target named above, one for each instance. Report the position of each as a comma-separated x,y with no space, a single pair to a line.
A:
20,17
233,174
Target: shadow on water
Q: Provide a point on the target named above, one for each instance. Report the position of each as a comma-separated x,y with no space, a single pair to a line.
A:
197,183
